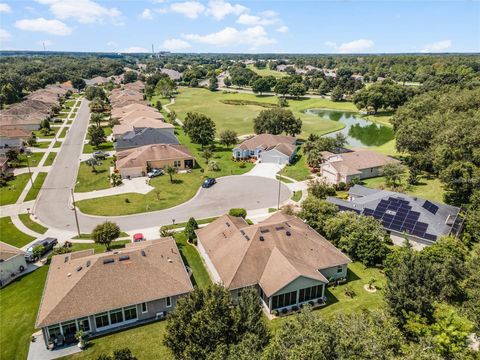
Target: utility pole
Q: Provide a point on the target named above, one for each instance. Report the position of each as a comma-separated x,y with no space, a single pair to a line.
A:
75,212
29,171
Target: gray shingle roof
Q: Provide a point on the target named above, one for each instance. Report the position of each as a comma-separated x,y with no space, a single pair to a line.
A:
147,136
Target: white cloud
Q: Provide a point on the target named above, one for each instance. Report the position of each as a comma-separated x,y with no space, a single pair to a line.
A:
190,9
175,45
134,49
355,46
331,44
269,13
219,9
254,37
84,11
282,29
5,8
147,14
54,27
112,44
252,20
4,35
438,46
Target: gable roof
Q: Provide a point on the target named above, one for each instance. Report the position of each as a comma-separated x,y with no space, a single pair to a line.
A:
140,123
266,142
8,251
271,253
13,132
351,163
120,111
145,136
132,115
81,284
139,157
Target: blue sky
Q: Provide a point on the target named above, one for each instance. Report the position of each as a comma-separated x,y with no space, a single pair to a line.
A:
354,26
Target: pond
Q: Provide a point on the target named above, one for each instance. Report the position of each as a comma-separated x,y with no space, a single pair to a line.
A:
359,131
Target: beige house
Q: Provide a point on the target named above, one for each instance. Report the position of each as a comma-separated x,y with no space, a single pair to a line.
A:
12,263
285,259
360,164
140,122
135,162
98,293
119,112
267,148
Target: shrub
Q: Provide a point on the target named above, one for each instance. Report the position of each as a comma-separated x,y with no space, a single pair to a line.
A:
127,200
190,228
341,186
295,308
242,165
238,212
213,165
311,303
166,230
284,311
274,312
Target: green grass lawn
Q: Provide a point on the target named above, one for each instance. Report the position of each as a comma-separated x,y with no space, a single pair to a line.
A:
11,235
57,144
33,159
52,133
62,115
69,103
297,195
32,225
106,146
50,159
89,181
192,259
63,134
42,144
9,194
267,71
37,185
298,170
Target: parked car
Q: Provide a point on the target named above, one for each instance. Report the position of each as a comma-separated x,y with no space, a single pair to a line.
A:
208,182
138,237
47,245
155,173
100,154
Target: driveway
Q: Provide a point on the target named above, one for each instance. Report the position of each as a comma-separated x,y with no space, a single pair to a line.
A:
268,170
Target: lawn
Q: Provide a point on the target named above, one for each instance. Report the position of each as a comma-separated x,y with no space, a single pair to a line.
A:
298,170
42,144
63,134
297,195
32,225
69,103
33,159
267,71
52,133
57,144
239,117
89,181
37,185
50,159
106,146
11,235
9,194
192,259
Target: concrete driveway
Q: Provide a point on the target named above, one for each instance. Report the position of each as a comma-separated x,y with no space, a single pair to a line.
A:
268,170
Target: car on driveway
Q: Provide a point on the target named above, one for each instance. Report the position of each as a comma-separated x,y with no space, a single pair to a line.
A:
155,173
208,183
138,237
100,155
46,244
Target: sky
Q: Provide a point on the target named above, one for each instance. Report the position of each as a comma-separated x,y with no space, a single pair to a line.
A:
256,26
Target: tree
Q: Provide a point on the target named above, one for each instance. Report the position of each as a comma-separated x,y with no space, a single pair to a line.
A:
78,83
170,170
105,233
316,212
121,354
190,228
96,118
158,105
32,140
96,135
337,94
93,92
321,189
213,83
13,157
207,154
393,173
228,137
129,77
200,128
173,116
277,120
472,287
165,87
96,106
296,90
227,81
261,85
281,88
45,124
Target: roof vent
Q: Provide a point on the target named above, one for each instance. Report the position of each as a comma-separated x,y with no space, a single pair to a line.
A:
79,268
143,253
227,223
123,258
108,261
169,260
66,259
262,238
246,237
88,263
288,233
264,231
278,228
242,232
69,274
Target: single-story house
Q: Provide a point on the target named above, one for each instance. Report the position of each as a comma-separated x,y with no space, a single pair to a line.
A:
119,112
98,293
12,263
139,123
360,164
285,259
145,136
401,215
12,138
97,80
135,162
132,115
267,148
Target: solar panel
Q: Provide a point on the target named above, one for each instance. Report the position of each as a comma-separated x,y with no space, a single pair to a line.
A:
395,227
430,207
430,237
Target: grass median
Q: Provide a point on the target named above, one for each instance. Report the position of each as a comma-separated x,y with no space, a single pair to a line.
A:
32,225
37,185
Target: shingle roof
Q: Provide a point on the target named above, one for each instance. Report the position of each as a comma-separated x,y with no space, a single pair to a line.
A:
142,137
81,284
13,132
139,157
271,253
7,251
120,111
266,141
140,123
351,163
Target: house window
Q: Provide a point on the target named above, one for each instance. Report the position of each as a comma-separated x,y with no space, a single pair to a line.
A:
252,152
144,308
130,313
283,300
310,293
177,163
169,301
84,324
54,331
116,316
69,329
339,269
101,320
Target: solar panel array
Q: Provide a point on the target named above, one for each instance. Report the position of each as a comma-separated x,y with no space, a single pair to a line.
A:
430,207
396,214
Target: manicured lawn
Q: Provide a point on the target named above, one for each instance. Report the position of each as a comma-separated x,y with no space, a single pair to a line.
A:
32,225
299,169
57,144
297,195
53,131
11,235
106,146
165,195
267,71
192,259
37,185
20,301
50,159
63,133
9,194
33,159
69,103
42,144
89,181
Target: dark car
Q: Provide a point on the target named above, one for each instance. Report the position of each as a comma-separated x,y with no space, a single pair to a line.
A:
100,155
47,245
208,182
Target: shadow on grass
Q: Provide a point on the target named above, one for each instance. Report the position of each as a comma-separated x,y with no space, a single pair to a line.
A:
176,181
351,276
181,247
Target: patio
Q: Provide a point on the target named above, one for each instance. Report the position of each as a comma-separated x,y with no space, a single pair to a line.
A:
38,350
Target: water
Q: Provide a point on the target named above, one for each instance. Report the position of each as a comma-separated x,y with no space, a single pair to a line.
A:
359,131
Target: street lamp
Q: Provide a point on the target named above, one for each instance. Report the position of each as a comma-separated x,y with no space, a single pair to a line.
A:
29,170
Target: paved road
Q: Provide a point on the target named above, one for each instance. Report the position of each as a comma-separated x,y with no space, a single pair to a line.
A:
53,204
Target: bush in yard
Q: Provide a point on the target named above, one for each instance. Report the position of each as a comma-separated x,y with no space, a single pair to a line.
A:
120,354
213,165
166,230
37,251
105,233
190,229
238,212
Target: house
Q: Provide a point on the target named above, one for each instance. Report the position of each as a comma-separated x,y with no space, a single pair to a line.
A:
172,74
12,263
419,220
98,293
139,123
359,164
119,112
145,136
97,80
267,148
149,112
12,138
135,162
285,259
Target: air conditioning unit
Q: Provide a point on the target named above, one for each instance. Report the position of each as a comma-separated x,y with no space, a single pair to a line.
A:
160,315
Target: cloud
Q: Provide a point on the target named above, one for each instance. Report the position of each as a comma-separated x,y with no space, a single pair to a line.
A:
252,20
269,13
84,11
4,35
5,8
134,49
175,45
355,46
190,9
54,27
254,37
282,29
147,14
219,9
438,46
112,44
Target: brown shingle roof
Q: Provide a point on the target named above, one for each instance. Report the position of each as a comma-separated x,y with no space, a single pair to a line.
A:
139,157
7,251
266,141
80,284
352,163
13,132
120,111
140,122
271,253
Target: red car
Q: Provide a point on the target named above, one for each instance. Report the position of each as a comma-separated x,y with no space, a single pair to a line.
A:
138,237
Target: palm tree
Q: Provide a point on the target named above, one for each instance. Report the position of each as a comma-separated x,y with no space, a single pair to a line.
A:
97,118
96,105
171,171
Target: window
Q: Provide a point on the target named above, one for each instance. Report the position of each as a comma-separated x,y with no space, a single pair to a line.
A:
252,152
84,324
339,269
169,301
144,307
130,313
310,293
101,320
177,163
283,300
54,331
116,316
69,328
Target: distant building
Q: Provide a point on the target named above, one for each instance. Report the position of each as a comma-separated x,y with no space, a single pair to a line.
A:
172,74
267,148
